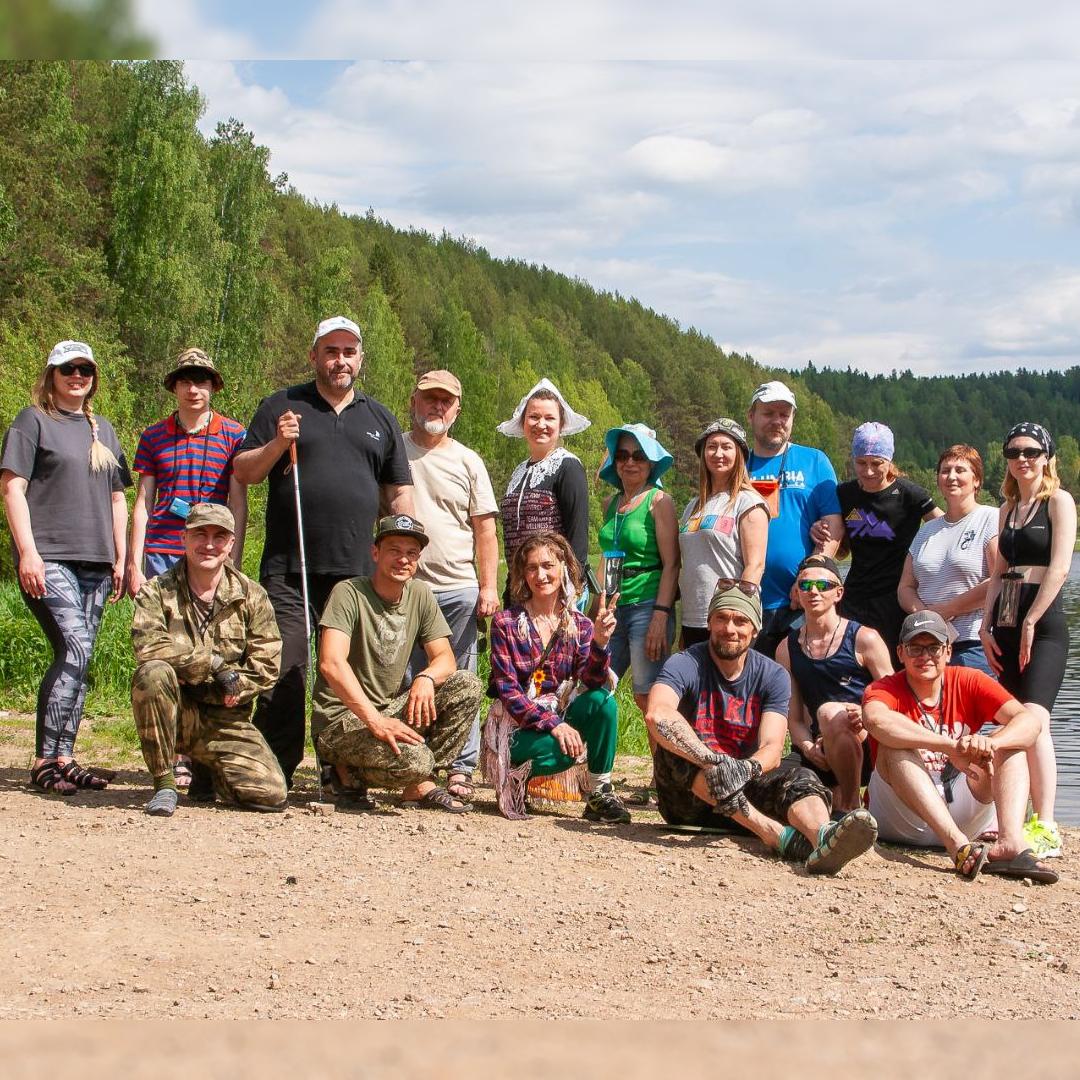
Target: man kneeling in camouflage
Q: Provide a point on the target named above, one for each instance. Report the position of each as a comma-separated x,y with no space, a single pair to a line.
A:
206,643
366,722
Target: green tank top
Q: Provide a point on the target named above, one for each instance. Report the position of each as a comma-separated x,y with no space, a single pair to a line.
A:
634,533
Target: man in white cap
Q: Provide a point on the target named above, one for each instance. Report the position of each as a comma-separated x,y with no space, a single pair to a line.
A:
454,498
350,454
799,484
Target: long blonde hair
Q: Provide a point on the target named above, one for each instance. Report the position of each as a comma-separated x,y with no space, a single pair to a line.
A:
43,396
1010,489
738,481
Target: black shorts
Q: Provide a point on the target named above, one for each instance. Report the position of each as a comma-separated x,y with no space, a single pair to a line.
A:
827,776
772,793
1041,680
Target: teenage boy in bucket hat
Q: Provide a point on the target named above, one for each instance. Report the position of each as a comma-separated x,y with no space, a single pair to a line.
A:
350,456
718,713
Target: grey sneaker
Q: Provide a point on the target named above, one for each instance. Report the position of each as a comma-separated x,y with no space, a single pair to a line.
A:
841,841
163,803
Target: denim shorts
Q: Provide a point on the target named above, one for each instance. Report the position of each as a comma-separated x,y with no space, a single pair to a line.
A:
628,644
970,654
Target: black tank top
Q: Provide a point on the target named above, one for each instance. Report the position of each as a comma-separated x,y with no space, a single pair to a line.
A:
839,677
1028,545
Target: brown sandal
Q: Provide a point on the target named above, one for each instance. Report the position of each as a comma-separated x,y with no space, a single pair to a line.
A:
460,785
438,798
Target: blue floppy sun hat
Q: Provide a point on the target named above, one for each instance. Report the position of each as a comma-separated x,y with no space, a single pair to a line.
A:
660,460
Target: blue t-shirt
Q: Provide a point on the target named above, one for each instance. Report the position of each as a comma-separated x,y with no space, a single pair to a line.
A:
726,716
807,493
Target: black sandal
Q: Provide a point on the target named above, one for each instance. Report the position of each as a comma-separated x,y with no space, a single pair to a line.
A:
460,785
438,798
86,779
48,777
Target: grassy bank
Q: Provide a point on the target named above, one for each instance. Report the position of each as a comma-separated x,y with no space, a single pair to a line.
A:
25,656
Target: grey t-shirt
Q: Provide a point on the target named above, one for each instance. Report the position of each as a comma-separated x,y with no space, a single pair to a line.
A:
70,506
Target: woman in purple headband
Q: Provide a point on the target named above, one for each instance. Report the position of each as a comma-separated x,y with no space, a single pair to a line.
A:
1024,631
882,513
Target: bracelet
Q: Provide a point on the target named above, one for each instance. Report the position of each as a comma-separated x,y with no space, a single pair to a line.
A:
423,675
663,607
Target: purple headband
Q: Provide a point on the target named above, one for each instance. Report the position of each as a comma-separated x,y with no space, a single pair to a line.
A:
872,440
1032,431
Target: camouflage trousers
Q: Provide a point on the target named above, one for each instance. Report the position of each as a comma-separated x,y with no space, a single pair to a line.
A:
346,741
169,719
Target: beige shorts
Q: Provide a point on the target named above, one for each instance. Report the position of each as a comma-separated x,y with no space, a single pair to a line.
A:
898,824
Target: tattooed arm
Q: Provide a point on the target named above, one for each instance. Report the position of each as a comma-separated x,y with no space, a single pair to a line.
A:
670,729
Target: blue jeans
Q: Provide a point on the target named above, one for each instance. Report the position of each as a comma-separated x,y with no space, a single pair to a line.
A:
970,654
628,644
459,609
157,562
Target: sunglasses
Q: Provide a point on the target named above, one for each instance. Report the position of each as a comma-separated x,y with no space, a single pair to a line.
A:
623,456
933,651
85,370
725,583
1029,453
817,585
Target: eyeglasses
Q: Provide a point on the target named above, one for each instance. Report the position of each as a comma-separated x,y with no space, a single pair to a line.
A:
933,651
1029,453
85,370
725,583
817,585
623,456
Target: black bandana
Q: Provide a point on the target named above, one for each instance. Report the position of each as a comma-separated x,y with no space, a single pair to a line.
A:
1032,431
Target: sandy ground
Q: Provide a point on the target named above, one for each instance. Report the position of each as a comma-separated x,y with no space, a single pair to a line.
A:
404,913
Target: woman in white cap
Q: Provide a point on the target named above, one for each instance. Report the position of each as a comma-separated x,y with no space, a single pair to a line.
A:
724,529
63,476
548,491
882,512
1025,631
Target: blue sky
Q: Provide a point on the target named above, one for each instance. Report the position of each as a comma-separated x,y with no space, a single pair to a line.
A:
827,182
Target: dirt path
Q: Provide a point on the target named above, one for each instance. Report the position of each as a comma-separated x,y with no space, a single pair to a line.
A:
405,913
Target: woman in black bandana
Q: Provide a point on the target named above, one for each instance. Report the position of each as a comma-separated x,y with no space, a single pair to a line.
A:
1024,632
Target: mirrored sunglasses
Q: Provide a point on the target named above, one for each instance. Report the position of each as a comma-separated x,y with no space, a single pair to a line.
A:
817,585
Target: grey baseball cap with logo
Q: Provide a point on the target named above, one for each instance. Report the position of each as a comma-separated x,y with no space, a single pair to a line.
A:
927,622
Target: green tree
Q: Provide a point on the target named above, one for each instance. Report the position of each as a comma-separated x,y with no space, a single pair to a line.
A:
90,30
388,375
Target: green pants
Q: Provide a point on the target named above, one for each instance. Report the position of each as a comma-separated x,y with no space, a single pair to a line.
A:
169,719
346,741
595,715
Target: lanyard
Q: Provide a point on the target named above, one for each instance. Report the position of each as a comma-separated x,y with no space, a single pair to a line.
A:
928,720
174,468
781,473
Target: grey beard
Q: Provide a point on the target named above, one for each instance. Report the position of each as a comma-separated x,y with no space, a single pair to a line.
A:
435,427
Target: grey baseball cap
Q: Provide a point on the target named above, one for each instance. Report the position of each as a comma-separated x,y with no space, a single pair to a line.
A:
927,622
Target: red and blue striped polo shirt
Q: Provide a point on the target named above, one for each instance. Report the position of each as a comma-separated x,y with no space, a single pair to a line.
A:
195,467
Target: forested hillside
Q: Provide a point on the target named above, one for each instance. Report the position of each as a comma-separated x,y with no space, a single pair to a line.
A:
122,225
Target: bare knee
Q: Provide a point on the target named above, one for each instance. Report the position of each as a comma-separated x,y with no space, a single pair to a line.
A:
701,789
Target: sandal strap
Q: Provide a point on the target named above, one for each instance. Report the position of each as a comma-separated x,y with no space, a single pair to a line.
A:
75,774
48,776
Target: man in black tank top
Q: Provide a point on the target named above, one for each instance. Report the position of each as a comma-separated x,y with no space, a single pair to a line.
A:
831,661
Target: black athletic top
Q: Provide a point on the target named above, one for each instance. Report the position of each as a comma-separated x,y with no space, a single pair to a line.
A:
839,677
1028,545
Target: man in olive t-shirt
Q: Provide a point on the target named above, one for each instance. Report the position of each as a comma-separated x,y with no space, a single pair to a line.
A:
374,730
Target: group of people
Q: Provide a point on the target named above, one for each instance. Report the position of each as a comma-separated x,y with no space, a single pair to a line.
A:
916,690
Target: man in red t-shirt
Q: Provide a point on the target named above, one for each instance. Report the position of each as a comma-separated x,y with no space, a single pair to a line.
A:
936,779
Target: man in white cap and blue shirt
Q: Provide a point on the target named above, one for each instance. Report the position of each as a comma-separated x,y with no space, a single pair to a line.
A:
799,485
350,455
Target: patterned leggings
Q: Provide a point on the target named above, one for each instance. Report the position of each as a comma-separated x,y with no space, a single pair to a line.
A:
69,613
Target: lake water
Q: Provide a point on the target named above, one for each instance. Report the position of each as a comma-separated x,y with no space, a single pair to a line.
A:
1065,722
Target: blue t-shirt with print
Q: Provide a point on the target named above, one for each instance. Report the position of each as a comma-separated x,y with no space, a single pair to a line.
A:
807,493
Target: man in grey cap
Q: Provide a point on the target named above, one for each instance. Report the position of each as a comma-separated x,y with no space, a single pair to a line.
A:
937,779
377,723
799,485
718,715
205,644
350,456
454,498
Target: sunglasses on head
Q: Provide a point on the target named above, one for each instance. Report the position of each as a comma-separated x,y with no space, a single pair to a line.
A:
725,583
623,456
817,585
933,651
85,370
1027,452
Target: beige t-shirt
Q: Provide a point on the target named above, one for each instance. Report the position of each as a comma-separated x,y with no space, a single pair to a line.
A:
450,486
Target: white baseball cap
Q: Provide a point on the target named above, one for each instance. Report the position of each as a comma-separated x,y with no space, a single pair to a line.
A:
773,391
337,322
64,352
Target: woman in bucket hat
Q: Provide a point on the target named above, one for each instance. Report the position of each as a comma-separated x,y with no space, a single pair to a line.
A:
63,476
724,529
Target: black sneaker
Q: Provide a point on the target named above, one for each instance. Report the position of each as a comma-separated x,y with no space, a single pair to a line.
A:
202,784
604,805
352,798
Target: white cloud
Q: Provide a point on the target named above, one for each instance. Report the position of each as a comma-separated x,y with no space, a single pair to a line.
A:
182,31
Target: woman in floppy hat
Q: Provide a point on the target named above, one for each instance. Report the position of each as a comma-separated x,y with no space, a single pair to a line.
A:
1024,631
724,529
640,523
548,491
63,476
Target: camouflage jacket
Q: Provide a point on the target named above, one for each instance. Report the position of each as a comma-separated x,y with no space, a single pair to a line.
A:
242,631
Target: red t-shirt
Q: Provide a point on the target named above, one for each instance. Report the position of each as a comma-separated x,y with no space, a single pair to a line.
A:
969,700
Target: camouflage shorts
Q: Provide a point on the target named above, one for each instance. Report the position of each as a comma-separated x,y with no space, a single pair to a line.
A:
773,793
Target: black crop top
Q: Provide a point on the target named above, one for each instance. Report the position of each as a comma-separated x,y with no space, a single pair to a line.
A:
1030,544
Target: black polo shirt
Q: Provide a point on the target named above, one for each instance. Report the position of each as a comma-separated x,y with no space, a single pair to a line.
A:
344,458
